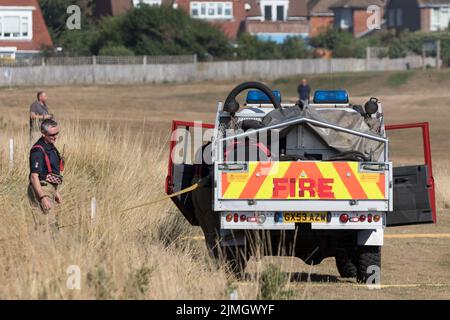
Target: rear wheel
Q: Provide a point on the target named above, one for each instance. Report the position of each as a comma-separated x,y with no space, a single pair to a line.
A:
369,263
346,263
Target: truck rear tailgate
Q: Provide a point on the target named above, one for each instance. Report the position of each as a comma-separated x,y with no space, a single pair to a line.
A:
303,185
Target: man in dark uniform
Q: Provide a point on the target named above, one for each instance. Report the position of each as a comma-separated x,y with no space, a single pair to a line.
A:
38,113
304,91
45,170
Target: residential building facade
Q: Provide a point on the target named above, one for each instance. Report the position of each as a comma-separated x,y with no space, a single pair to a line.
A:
227,15
321,17
353,15
415,15
275,20
23,31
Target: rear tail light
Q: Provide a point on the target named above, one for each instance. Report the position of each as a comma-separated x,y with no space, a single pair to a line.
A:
251,219
261,218
229,217
243,218
343,218
362,218
369,218
236,217
354,219
376,218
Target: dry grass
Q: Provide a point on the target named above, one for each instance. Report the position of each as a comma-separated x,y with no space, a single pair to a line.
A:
116,146
120,256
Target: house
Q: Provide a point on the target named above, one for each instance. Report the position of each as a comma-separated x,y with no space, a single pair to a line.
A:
321,17
118,7
352,15
414,15
23,31
227,15
276,20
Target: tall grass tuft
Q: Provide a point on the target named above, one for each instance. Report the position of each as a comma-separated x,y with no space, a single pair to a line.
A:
142,254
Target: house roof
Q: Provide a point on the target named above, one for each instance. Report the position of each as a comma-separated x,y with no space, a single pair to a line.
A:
41,36
432,2
321,7
298,8
357,4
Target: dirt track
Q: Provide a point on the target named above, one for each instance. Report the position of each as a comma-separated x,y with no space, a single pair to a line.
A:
413,268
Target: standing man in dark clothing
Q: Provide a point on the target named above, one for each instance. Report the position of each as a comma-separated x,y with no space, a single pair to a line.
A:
304,91
38,113
46,166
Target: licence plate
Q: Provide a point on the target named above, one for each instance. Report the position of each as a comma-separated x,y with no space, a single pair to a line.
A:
305,217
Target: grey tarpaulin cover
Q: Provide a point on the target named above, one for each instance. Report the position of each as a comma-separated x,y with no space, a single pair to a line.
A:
341,141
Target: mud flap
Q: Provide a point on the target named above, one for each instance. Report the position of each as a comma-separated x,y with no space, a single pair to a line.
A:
370,237
412,203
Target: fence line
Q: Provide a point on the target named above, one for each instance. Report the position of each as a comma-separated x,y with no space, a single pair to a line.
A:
91,60
113,70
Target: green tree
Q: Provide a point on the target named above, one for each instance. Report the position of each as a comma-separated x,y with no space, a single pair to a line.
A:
295,48
55,14
115,51
150,30
250,47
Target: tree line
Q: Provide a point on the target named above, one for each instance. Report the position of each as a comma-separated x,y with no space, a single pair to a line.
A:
152,30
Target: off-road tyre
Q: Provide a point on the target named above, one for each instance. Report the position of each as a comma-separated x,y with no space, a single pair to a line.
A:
346,263
367,256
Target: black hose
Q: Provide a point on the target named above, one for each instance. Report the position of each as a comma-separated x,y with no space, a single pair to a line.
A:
232,106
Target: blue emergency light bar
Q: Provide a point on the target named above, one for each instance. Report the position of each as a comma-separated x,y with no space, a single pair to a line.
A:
259,97
330,96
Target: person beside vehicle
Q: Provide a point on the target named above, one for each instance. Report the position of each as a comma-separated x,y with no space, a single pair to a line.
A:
304,91
46,165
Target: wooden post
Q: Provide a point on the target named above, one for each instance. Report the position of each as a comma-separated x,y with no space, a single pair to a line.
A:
11,154
367,58
423,57
438,54
93,209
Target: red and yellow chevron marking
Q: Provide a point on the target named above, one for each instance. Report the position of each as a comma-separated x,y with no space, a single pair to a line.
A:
313,180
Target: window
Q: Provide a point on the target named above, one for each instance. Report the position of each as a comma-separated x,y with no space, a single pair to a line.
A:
11,27
194,10
435,19
149,2
228,10
212,10
268,13
16,24
345,21
274,10
24,29
280,13
444,18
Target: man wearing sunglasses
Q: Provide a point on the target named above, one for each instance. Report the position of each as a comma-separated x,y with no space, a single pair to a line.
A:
45,177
